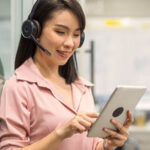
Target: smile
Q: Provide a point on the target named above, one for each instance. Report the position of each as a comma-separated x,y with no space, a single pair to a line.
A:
63,54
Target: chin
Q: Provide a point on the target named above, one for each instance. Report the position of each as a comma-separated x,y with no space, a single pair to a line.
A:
62,63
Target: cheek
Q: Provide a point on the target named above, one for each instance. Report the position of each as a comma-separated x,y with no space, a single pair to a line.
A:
50,40
55,40
76,43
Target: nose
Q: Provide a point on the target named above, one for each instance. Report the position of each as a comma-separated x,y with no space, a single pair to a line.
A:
69,42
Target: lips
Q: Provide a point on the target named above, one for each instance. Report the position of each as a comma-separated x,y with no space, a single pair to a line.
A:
63,53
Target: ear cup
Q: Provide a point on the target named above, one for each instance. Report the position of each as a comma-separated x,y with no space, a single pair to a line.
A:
30,28
38,27
82,38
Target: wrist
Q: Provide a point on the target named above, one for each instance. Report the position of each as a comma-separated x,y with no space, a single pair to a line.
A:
60,133
106,146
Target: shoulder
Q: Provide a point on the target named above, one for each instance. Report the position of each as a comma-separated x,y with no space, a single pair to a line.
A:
84,82
15,93
12,85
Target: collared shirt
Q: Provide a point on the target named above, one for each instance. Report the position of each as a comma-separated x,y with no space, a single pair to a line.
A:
31,108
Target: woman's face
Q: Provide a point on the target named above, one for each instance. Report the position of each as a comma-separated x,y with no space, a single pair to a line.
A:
61,37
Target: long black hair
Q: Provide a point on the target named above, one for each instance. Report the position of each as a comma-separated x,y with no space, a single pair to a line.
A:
45,11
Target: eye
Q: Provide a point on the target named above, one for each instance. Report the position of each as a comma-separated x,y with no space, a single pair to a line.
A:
76,35
60,32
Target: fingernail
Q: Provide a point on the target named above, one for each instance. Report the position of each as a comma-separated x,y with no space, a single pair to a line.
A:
105,129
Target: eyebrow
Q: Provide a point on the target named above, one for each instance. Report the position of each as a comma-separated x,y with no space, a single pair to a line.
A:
65,27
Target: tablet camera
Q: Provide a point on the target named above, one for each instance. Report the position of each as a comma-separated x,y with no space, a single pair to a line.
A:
117,112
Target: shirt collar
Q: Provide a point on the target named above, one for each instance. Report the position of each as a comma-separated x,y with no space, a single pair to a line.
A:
82,84
30,73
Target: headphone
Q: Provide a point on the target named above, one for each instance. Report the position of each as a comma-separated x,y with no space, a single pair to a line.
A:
31,29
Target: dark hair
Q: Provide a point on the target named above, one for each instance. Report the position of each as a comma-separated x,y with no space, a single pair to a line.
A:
44,12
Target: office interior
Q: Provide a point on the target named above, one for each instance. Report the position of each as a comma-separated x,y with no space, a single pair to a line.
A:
116,51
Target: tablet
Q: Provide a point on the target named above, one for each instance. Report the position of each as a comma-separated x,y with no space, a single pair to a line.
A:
123,98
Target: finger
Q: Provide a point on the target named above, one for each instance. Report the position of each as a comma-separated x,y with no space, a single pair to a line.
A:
115,142
85,123
92,114
120,128
115,135
79,128
87,118
129,120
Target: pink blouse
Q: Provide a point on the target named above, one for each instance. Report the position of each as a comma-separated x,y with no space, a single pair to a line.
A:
31,108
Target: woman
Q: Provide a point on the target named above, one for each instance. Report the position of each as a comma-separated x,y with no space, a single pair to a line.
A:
45,105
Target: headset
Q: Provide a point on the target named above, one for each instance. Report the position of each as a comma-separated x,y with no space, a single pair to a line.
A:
31,29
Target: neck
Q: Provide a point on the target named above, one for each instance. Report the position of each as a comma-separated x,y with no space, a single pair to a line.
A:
46,69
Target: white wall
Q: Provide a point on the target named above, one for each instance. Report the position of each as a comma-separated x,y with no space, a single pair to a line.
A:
4,9
118,8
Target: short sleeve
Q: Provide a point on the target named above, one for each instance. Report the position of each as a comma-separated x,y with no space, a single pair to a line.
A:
14,117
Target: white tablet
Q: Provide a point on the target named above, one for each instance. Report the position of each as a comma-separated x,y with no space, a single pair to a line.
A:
123,98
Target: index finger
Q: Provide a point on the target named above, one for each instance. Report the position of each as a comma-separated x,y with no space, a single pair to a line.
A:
92,114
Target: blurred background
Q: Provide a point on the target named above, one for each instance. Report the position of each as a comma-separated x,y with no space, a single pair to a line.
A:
116,51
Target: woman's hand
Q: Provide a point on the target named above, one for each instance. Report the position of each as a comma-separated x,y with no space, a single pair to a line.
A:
119,137
80,123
